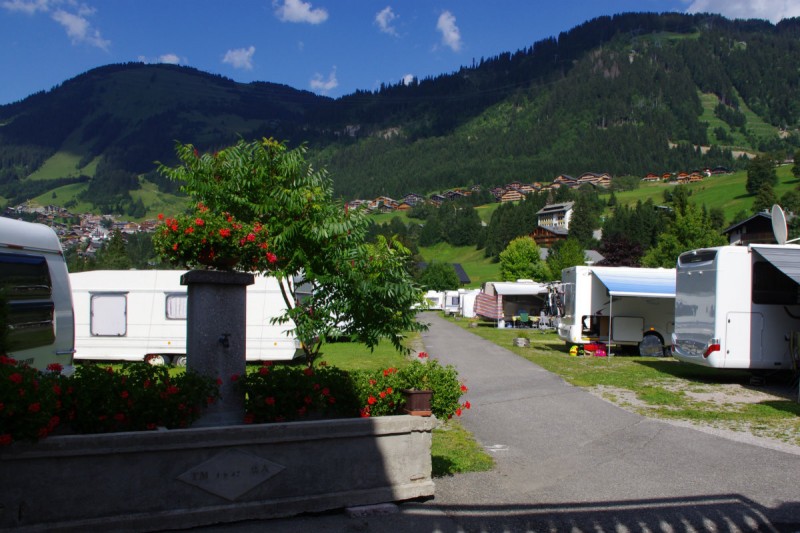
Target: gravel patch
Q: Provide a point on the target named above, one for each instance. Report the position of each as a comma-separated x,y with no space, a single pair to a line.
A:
720,394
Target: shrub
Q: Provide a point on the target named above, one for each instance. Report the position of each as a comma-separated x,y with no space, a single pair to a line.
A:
138,397
279,393
30,401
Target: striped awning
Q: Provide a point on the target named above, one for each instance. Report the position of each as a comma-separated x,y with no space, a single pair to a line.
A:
488,306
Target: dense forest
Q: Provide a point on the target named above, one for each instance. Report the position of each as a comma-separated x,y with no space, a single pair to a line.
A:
628,94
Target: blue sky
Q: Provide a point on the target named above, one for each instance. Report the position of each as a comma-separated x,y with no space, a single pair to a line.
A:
330,47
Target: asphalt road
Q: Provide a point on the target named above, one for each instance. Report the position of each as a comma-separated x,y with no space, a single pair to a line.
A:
569,461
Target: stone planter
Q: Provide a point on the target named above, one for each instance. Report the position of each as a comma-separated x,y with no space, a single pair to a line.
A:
147,481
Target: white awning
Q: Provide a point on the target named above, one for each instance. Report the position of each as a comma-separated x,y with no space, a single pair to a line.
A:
645,282
519,289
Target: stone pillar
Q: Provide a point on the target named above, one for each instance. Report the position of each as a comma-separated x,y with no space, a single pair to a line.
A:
216,337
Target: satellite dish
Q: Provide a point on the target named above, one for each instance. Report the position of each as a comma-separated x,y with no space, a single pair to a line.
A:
779,224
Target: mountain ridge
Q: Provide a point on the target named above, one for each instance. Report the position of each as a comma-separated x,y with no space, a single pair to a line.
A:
617,94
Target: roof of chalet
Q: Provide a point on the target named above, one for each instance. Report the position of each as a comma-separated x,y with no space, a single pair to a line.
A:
555,208
758,218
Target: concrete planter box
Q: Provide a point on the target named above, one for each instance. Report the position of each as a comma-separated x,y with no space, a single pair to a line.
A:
183,478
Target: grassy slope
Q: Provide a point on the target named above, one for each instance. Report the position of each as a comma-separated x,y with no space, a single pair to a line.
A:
727,191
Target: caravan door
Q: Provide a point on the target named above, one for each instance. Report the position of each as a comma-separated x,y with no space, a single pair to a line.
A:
743,333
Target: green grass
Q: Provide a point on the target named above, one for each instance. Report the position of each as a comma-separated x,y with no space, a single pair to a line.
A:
754,123
60,165
455,451
726,191
353,356
478,268
660,387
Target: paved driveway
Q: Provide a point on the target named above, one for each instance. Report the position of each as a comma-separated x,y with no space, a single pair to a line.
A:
569,461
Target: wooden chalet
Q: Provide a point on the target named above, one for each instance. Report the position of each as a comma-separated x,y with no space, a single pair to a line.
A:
546,236
756,229
512,195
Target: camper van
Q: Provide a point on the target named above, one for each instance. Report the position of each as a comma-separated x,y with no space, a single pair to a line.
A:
619,306
737,306
35,291
140,315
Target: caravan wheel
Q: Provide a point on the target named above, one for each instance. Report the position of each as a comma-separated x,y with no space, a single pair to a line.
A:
652,345
179,360
156,359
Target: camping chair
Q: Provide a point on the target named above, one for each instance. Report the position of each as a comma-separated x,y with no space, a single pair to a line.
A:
523,319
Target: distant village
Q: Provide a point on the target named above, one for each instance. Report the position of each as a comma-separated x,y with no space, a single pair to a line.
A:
91,231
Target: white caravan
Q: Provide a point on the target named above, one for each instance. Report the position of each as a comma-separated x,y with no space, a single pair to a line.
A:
35,284
737,306
619,306
435,300
452,302
467,302
140,315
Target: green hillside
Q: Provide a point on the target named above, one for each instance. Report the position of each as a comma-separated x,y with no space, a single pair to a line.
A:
725,191
628,94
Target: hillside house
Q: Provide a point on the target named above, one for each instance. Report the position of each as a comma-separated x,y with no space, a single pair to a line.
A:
565,180
556,215
512,195
547,236
412,199
756,229
597,179
650,177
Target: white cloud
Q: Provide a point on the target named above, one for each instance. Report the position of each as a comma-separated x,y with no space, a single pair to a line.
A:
384,20
78,28
299,11
451,36
71,14
170,59
408,79
772,10
28,7
240,57
318,83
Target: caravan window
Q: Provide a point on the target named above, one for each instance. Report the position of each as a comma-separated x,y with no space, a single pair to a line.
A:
176,306
772,287
109,315
25,292
696,257
455,300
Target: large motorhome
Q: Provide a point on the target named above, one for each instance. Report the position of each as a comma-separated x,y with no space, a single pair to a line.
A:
34,287
618,306
140,315
737,306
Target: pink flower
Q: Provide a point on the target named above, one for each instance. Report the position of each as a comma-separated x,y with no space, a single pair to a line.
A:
423,355
55,367
224,232
16,377
199,222
271,258
372,400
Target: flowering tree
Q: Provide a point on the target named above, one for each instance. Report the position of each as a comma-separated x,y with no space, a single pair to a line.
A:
301,236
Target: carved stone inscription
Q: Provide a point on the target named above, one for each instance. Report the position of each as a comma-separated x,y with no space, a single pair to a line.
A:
231,473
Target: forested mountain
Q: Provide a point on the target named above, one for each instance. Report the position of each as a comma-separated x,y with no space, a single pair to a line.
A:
628,94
